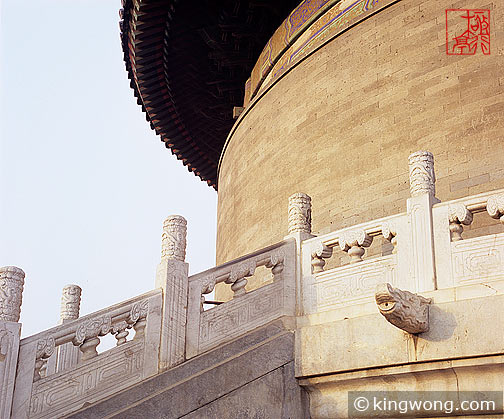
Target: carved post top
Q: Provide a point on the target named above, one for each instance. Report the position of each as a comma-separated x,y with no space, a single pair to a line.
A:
70,302
174,238
11,292
12,272
299,213
421,173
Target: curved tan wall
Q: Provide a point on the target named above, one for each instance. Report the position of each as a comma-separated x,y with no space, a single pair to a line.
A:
340,125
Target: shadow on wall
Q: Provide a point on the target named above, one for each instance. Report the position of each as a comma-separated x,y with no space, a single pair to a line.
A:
441,325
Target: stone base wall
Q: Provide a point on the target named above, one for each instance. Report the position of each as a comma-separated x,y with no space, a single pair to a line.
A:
340,125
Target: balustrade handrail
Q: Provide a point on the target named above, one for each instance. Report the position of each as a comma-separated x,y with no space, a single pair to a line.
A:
65,332
373,228
222,273
474,203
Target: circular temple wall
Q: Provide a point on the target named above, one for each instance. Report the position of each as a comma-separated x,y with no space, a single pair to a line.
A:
339,119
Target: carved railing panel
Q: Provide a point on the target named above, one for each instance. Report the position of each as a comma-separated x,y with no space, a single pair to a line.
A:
478,260
429,250
346,285
38,394
239,316
105,375
247,310
462,261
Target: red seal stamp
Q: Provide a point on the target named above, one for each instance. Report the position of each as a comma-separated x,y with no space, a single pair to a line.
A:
467,31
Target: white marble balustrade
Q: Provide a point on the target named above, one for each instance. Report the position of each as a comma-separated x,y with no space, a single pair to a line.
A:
246,311
37,395
429,254
477,260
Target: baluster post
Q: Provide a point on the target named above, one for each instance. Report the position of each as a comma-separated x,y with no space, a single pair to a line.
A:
11,291
172,277
495,207
458,216
354,242
300,228
68,354
419,209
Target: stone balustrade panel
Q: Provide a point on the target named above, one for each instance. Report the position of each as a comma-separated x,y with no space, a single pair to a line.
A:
461,261
350,284
66,392
478,260
355,282
96,376
247,310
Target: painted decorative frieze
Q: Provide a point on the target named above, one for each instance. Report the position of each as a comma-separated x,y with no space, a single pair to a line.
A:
458,215
495,207
299,213
421,173
174,238
70,303
403,309
11,293
353,242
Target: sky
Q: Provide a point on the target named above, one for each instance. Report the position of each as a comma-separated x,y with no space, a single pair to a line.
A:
85,184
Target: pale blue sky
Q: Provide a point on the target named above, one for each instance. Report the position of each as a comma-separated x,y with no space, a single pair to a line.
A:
84,182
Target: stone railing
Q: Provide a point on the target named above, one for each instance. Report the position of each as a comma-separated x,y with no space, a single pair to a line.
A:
427,250
58,371
40,394
357,280
247,310
459,261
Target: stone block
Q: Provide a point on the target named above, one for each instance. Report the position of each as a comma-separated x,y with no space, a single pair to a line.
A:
455,331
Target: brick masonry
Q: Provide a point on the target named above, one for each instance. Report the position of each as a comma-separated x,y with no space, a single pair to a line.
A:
340,126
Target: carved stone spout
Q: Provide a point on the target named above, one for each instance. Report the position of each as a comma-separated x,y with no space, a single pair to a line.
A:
405,310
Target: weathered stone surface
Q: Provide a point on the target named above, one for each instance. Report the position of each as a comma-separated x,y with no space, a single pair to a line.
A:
421,173
275,395
364,342
206,378
329,393
299,213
